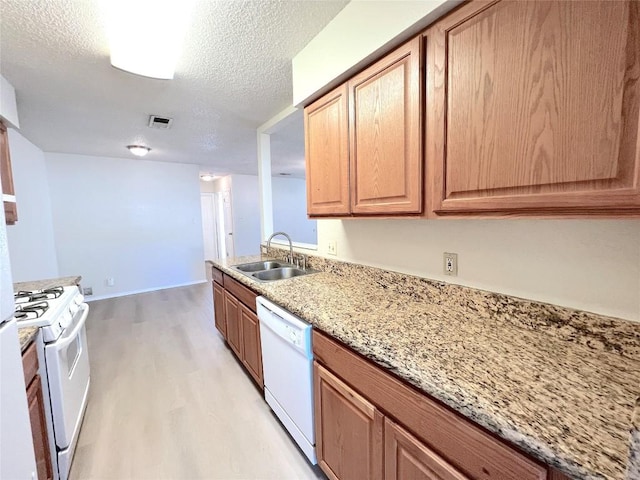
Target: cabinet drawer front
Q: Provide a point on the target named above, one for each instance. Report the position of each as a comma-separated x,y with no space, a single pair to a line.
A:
217,276
242,293
466,446
539,107
30,363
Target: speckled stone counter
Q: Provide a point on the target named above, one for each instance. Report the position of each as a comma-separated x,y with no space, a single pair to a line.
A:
559,383
27,334
48,283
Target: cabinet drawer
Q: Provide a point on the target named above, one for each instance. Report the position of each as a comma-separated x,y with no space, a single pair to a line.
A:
242,293
468,448
30,363
217,276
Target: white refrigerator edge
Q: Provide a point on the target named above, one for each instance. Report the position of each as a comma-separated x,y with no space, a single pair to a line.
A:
17,458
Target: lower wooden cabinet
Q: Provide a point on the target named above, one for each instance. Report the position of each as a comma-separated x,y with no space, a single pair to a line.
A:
36,413
39,429
234,308
359,408
349,430
251,346
232,318
218,309
407,458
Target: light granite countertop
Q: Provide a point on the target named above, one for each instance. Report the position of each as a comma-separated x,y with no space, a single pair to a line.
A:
559,383
28,334
47,283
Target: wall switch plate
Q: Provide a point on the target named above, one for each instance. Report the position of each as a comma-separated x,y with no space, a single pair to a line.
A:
332,247
87,291
450,265
110,282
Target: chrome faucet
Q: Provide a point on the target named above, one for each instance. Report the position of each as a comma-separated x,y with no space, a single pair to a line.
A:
290,244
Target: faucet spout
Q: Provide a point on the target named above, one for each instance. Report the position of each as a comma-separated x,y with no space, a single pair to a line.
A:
288,238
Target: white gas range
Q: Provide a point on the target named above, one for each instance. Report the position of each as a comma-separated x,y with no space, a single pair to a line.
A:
60,313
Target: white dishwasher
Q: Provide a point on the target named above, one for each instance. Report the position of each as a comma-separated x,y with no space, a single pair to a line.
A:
287,363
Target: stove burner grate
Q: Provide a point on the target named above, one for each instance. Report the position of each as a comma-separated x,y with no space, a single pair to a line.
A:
32,311
27,296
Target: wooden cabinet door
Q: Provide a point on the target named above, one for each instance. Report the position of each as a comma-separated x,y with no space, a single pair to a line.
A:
327,154
349,430
232,316
39,429
218,309
386,134
6,174
407,458
533,107
251,346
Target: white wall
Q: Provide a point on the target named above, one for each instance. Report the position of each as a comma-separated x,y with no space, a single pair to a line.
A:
137,221
290,210
245,207
591,265
359,33
31,239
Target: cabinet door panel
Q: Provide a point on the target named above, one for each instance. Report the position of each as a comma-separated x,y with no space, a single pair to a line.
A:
349,430
232,316
251,346
406,458
385,137
218,308
39,429
327,154
6,175
538,107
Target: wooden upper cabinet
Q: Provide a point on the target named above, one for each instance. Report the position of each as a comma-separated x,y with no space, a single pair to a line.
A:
533,108
407,458
6,174
349,430
385,134
327,154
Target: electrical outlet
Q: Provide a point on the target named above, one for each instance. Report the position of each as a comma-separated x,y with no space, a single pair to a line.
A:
110,282
87,291
332,247
450,264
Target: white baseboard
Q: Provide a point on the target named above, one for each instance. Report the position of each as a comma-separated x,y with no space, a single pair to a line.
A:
93,298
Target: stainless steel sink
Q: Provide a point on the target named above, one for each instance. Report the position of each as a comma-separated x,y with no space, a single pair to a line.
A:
258,266
279,274
271,270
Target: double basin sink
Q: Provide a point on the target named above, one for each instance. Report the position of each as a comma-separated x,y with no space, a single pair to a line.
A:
271,270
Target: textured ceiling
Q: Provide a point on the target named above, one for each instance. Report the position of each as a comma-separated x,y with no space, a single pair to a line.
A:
234,74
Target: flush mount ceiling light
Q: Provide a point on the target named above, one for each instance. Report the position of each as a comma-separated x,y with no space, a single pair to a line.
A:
138,150
145,36
207,177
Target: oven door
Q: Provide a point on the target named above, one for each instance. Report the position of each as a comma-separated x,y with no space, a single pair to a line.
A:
68,374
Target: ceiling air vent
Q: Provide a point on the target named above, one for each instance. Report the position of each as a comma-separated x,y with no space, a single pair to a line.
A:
156,121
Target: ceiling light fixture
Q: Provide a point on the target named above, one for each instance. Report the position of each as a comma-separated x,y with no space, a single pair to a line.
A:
207,177
138,150
145,36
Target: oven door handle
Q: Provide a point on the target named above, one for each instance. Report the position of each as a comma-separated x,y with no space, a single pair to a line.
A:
67,339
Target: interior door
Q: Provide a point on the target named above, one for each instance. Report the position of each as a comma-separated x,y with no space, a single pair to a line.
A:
209,228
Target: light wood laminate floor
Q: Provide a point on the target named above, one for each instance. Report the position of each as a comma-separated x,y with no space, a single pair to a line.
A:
168,400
